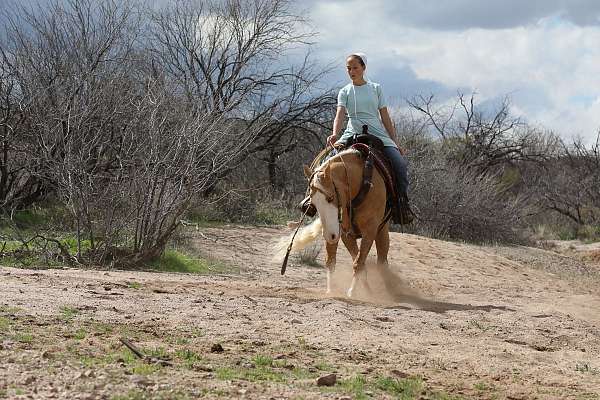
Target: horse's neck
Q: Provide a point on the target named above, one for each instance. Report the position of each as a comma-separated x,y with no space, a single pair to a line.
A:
346,173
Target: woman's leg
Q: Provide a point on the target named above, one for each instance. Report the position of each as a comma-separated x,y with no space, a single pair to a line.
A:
400,166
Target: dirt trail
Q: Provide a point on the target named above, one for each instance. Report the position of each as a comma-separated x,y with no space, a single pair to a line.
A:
472,322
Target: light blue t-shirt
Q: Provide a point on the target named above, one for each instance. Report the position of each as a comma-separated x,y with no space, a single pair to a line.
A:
368,99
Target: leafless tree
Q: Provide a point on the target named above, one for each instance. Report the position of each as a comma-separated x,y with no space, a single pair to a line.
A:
479,140
230,57
222,53
569,183
127,125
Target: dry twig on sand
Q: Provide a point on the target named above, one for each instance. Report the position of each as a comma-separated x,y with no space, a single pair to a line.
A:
143,357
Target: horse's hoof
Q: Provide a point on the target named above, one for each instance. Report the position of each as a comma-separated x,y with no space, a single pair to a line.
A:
349,293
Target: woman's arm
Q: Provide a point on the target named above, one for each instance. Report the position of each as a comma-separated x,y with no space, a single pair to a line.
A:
387,123
389,127
338,123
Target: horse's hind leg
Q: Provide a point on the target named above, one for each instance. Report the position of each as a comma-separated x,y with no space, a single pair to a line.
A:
330,262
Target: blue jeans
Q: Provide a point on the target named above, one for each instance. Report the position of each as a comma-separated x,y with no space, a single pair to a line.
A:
400,166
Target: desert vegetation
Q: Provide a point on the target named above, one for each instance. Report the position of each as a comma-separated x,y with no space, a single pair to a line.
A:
120,123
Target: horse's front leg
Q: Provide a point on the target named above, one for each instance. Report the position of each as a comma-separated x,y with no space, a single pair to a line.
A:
358,266
330,262
350,243
382,243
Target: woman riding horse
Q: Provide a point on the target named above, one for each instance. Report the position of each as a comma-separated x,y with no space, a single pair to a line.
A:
363,102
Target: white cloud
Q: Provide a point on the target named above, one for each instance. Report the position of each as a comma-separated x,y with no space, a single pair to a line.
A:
550,68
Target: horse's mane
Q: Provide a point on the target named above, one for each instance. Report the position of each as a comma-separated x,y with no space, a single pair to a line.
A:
335,158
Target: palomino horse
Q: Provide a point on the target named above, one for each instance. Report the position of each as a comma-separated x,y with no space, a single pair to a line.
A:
333,185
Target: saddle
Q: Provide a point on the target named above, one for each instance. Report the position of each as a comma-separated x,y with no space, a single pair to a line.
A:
371,149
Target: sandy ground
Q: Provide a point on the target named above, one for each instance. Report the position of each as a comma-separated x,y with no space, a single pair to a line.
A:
458,321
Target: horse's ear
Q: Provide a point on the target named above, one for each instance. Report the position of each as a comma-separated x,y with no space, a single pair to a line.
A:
307,172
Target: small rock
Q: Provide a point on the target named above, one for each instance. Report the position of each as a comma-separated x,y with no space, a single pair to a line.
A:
216,348
141,380
296,321
327,380
29,380
89,373
65,289
203,368
107,288
383,318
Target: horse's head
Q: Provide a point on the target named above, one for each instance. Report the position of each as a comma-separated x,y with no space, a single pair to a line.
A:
325,197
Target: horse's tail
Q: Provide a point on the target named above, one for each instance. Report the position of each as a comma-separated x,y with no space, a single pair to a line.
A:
304,237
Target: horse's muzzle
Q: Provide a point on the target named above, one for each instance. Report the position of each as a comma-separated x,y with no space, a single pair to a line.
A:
307,207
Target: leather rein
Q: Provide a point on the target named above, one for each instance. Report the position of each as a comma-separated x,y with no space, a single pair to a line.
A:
329,197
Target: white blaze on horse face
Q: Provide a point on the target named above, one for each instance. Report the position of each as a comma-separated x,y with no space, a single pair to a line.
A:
328,212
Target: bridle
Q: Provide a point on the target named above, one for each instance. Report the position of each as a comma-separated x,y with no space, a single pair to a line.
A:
329,197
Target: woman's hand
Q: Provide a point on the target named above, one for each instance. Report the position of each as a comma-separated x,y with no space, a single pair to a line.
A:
331,139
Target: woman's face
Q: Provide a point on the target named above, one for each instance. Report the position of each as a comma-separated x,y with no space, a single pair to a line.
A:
355,70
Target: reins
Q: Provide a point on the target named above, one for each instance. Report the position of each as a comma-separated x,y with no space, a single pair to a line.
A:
327,196
289,248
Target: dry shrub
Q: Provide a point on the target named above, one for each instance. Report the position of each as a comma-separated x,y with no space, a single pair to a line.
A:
462,205
310,254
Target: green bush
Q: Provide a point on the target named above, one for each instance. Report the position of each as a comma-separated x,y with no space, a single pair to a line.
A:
176,261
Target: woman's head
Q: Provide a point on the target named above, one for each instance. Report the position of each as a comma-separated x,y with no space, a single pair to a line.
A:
356,64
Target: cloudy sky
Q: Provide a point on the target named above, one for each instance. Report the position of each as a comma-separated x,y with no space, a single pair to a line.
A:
543,54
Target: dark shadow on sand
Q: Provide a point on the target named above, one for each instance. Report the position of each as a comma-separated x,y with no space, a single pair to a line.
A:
386,288
441,307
